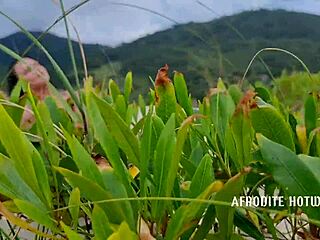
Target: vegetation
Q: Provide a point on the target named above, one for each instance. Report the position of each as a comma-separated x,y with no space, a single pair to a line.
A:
96,164
203,51
160,172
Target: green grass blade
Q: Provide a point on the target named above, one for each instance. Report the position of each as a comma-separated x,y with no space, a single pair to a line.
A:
114,90
310,113
36,213
128,86
107,142
206,224
9,52
186,214
100,224
46,129
121,106
74,206
93,192
126,140
162,157
222,108
202,177
225,215
82,158
110,148
182,93
142,105
22,153
245,224
145,154
71,50
13,186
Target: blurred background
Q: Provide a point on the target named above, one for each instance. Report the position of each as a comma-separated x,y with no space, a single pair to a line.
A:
203,39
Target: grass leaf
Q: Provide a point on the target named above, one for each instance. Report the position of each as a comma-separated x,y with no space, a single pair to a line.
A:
100,224
162,161
25,157
128,86
94,192
182,93
126,140
202,177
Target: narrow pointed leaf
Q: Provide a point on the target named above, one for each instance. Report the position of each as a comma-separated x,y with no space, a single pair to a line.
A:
225,214
83,160
21,151
74,205
36,213
145,153
187,213
182,93
221,110
163,157
114,90
13,186
126,140
202,177
121,106
108,144
93,192
100,224
128,86
310,113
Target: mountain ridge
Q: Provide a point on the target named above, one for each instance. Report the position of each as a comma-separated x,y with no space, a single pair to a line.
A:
203,51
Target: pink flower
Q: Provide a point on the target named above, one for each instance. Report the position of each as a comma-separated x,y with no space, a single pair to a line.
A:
34,73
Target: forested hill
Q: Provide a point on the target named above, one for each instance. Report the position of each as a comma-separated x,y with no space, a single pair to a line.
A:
203,51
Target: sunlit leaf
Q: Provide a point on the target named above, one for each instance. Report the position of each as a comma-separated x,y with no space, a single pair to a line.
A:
268,121
292,173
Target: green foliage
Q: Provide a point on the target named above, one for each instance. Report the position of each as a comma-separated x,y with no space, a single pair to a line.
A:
225,214
293,89
158,171
268,120
243,137
165,101
100,224
222,108
286,167
182,93
163,156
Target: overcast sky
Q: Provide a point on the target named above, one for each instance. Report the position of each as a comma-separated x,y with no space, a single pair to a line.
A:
98,21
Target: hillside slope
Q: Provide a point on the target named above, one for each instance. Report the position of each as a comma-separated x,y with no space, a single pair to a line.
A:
224,47
57,47
203,51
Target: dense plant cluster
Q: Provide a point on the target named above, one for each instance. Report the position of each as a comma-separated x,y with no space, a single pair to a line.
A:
93,163
119,169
